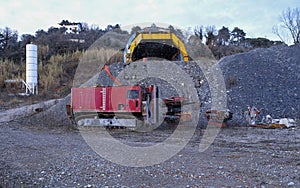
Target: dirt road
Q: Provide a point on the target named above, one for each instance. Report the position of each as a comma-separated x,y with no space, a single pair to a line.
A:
239,157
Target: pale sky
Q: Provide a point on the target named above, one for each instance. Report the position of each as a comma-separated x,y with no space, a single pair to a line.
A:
256,18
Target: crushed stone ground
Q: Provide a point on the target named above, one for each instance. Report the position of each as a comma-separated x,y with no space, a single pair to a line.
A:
239,157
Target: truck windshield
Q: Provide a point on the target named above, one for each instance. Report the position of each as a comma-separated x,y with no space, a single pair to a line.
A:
132,94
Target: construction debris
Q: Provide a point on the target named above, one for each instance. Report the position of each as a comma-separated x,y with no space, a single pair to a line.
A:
219,117
286,122
251,115
269,123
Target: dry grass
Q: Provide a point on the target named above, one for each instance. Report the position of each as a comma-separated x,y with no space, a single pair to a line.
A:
59,70
54,74
67,57
91,63
11,70
49,76
100,55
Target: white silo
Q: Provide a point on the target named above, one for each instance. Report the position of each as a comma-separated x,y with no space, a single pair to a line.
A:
31,69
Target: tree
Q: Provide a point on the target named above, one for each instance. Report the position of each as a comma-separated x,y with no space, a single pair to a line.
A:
8,37
84,26
171,28
261,42
27,38
112,28
8,43
198,30
53,30
210,35
40,33
223,36
290,21
237,36
135,29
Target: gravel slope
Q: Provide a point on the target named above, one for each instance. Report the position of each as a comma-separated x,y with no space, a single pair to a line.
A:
266,78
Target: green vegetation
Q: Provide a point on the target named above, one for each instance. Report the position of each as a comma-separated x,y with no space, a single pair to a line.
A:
58,56
55,74
224,42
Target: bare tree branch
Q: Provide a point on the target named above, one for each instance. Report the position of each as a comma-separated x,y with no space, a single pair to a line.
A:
276,31
198,30
290,20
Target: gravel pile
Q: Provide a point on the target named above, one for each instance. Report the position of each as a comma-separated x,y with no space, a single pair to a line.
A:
266,78
135,72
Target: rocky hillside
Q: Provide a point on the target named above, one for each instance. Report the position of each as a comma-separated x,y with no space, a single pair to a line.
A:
266,78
